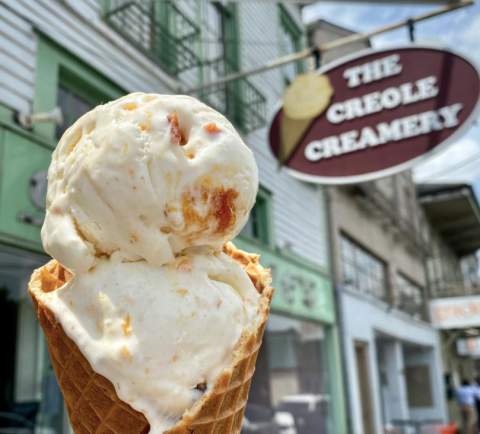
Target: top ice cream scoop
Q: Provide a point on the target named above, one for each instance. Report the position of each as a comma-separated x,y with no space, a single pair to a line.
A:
145,177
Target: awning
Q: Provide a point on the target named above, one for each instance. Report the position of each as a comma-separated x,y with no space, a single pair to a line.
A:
453,211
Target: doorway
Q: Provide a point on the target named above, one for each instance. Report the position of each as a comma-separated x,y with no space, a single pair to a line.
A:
364,387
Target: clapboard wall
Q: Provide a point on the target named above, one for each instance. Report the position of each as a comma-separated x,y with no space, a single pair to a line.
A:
78,26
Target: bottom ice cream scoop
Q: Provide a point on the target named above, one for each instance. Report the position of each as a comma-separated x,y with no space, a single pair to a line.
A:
161,335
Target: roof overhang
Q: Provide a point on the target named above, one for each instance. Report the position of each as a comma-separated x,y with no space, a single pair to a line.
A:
453,211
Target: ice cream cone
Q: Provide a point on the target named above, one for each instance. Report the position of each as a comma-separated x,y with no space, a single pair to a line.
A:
91,400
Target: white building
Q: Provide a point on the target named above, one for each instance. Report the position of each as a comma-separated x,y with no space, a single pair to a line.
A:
392,353
76,54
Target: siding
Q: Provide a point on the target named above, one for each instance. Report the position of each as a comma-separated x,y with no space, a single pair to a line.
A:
299,208
77,25
18,51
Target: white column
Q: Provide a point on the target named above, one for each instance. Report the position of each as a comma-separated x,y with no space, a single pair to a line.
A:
395,400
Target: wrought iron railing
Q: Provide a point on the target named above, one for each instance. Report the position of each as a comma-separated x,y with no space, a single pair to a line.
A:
239,100
159,29
442,289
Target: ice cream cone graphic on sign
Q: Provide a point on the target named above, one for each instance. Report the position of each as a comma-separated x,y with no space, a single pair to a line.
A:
307,97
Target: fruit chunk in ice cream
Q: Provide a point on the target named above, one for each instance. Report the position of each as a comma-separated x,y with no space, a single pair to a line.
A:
145,177
143,193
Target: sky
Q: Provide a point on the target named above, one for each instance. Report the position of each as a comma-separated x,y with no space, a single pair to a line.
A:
458,29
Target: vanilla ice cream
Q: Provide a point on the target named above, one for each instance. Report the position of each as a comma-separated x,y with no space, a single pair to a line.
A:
143,192
146,176
161,335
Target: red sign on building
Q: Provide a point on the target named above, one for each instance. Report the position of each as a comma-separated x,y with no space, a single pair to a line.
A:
389,110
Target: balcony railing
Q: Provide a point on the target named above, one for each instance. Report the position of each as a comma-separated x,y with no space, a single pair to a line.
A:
159,29
443,289
239,100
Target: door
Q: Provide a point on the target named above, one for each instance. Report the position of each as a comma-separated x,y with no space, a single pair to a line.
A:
364,387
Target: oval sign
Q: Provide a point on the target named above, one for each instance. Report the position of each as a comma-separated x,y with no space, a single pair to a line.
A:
389,110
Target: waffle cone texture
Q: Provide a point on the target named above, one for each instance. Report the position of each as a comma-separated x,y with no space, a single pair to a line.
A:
91,400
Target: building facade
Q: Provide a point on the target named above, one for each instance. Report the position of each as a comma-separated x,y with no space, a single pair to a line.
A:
392,353
453,224
76,54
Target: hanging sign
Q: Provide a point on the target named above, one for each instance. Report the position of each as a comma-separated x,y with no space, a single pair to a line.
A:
375,114
469,347
455,312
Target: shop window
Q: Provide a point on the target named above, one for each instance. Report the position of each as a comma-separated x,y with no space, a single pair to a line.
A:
411,297
260,223
291,42
362,270
419,389
293,375
408,200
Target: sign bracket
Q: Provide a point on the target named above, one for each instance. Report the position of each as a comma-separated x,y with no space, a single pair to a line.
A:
411,29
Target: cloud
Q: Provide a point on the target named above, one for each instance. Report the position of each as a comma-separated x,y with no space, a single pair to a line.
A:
459,30
458,163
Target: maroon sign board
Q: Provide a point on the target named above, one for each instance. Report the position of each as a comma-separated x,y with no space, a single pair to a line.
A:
390,110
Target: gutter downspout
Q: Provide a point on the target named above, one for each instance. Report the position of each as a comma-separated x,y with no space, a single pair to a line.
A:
338,305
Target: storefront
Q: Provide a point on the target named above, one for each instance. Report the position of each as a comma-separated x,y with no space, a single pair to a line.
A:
298,369
28,388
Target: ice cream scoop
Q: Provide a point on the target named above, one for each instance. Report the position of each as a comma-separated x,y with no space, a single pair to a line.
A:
161,335
143,193
145,177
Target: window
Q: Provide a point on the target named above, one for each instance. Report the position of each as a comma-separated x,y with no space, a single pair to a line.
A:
411,297
292,373
259,224
291,42
408,196
70,84
362,270
419,387
75,97
240,101
223,50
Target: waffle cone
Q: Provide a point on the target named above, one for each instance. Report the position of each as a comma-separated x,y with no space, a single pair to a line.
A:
91,400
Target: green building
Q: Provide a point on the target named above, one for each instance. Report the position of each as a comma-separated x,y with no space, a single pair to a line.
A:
76,54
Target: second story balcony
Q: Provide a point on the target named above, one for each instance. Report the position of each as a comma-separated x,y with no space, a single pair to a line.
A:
158,28
453,216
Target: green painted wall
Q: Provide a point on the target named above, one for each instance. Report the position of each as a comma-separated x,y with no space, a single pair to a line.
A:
21,160
26,153
300,291
304,291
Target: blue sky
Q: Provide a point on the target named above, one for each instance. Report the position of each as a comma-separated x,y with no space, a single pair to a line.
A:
459,30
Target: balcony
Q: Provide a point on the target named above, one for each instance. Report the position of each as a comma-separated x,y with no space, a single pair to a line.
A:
159,29
240,101
444,289
385,210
